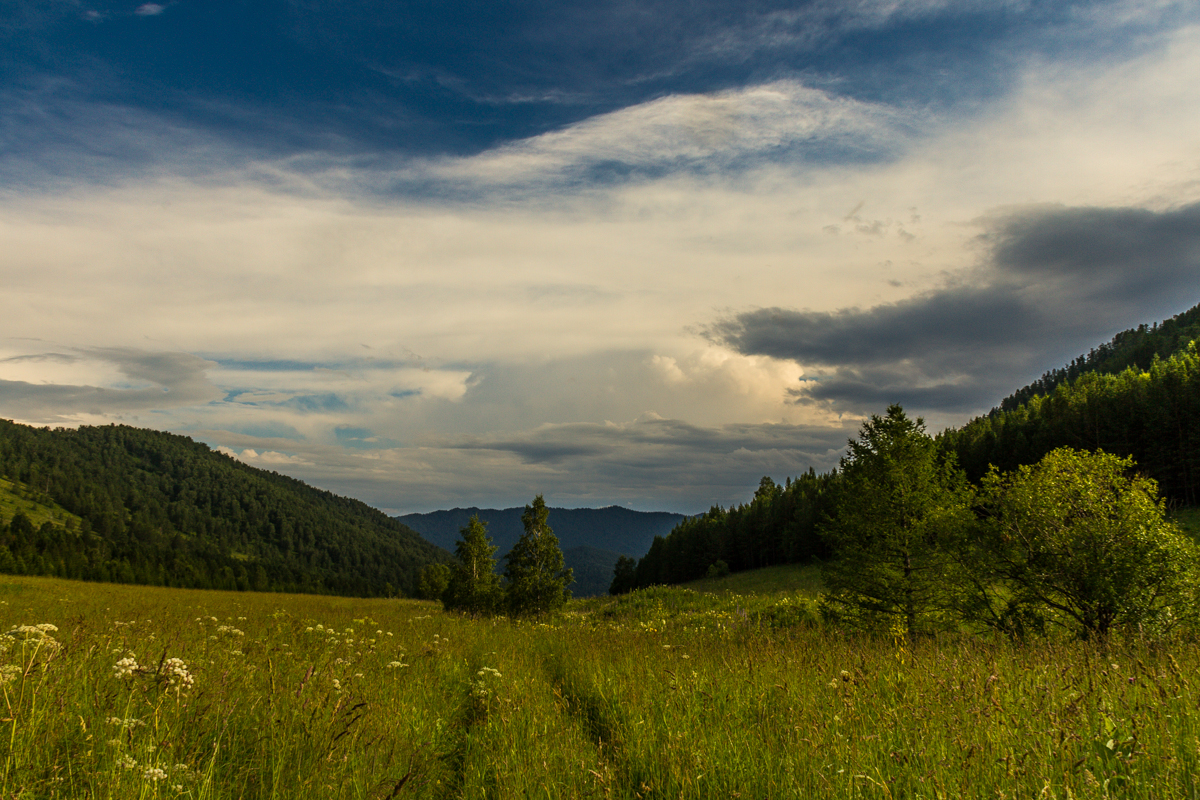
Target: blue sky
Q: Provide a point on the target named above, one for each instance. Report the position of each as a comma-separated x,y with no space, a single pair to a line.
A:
432,254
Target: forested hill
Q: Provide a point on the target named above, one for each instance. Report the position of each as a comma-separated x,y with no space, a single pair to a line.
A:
157,508
1137,396
1135,348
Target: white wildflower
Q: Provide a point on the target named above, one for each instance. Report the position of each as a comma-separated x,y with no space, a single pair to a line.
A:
128,723
125,668
177,674
9,673
127,762
154,774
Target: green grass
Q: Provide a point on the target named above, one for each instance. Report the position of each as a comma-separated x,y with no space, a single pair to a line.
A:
1188,518
803,579
16,498
668,692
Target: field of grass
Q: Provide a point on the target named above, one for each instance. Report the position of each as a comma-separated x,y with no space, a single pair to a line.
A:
138,692
803,579
14,501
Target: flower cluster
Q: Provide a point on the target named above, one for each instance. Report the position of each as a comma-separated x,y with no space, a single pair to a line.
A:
128,723
9,673
177,674
126,668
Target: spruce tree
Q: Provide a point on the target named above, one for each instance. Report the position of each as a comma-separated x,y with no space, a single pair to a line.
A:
537,580
896,533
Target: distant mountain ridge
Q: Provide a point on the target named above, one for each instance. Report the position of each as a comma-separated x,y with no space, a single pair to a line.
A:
589,537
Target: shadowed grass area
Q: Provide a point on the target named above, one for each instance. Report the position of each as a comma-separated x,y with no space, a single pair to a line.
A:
147,692
804,579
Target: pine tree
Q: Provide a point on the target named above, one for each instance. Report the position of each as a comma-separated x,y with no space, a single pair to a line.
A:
537,580
894,535
474,586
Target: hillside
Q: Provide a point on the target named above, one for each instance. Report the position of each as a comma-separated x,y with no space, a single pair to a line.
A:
156,508
591,538
1135,348
1137,395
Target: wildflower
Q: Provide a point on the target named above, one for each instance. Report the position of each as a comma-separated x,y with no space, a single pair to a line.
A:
232,631
125,668
128,723
154,774
337,684
177,674
488,670
395,665
9,673
127,762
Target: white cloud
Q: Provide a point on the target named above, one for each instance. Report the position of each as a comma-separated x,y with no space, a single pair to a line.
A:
712,130
436,321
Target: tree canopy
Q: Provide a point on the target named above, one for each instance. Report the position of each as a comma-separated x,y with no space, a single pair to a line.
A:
1083,539
537,579
474,586
902,509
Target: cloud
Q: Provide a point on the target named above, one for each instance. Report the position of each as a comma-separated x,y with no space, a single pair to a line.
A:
1056,278
707,132
148,381
651,462
149,10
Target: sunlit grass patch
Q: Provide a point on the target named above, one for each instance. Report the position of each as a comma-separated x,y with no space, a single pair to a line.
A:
115,692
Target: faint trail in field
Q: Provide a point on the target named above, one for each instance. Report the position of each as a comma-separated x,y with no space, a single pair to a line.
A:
602,721
468,717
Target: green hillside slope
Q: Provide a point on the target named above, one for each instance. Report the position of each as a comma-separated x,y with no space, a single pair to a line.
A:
157,508
1135,348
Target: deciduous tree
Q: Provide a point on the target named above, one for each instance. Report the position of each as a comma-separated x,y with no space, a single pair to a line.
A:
474,586
1082,538
537,580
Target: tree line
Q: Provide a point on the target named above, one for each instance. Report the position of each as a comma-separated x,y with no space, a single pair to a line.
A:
1146,418
162,509
534,580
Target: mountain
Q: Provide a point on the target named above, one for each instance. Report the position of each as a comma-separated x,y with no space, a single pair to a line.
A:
1135,348
1148,409
589,537
1137,395
130,505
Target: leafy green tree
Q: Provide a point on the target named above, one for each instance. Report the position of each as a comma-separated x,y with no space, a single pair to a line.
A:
473,584
624,576
1083,539
901,513
537,580
433,581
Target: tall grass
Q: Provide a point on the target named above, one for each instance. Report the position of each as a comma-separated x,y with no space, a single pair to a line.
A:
664,693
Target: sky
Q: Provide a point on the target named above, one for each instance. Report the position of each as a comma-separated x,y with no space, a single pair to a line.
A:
432,254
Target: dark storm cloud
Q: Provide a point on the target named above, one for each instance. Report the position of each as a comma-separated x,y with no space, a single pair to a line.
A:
1058,281
653,442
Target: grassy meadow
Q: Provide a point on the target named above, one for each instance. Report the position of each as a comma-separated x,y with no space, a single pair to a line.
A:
137,692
